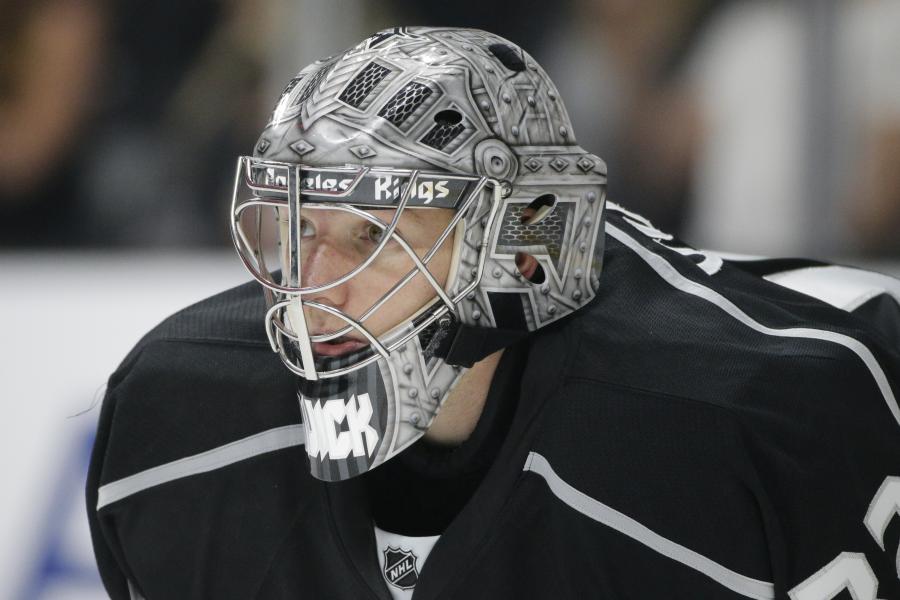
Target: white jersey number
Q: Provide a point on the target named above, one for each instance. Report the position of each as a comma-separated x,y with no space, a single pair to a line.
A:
850,570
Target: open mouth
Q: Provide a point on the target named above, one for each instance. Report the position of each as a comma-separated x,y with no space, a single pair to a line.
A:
338,346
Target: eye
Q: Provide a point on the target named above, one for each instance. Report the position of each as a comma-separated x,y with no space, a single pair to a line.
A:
306,228
374,233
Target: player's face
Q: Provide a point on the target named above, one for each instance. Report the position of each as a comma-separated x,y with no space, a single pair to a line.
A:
333,243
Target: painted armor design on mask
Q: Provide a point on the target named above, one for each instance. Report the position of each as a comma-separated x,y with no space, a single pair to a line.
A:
415,119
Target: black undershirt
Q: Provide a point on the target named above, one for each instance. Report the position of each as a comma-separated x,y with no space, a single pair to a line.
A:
420,491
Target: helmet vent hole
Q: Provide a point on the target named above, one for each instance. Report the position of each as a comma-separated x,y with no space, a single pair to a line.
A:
508,56
448,117
528,267
538,209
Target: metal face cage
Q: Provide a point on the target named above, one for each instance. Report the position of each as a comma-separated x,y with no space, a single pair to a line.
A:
278,188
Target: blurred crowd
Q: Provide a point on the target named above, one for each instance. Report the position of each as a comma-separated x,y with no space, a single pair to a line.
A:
754,126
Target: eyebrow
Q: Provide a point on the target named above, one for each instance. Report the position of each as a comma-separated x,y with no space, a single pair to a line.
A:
413,214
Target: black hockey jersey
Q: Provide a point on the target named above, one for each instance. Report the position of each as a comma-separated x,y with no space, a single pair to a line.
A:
697,431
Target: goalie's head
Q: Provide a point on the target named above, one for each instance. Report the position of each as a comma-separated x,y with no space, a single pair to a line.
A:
427,205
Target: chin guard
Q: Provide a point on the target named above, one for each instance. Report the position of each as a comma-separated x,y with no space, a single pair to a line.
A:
355,422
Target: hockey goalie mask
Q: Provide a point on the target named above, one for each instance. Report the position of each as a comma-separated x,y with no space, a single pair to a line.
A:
390,199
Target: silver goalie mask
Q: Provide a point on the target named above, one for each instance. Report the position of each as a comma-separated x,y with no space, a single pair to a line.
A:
414,204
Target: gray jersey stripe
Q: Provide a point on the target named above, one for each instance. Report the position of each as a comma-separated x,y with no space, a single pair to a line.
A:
679,281
596,510
260,443
133,592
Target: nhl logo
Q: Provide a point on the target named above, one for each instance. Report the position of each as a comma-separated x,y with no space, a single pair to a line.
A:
400,568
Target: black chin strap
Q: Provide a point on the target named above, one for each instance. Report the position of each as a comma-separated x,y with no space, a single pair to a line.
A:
464,345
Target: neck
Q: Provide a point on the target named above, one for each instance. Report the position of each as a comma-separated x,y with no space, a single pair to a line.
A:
461,410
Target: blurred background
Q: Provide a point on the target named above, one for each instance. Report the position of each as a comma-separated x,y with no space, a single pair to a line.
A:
759,127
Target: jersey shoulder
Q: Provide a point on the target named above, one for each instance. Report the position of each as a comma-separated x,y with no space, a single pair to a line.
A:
685,364
674,320
872,297
200,428
203,378
233,316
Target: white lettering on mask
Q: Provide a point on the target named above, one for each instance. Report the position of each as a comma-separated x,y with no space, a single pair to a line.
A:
317,184
324,437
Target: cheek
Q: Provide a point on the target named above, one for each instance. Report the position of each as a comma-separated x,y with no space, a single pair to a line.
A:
410,298
372,283
440,264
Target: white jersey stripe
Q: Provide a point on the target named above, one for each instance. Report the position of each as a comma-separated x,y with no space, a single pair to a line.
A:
596,510
844,287
254,445
679,281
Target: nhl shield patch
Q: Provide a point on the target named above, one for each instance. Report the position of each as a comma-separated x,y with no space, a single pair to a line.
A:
400,568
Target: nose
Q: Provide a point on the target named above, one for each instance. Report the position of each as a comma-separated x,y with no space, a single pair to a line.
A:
322,264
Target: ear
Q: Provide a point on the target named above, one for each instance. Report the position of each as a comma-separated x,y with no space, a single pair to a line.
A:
527,265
